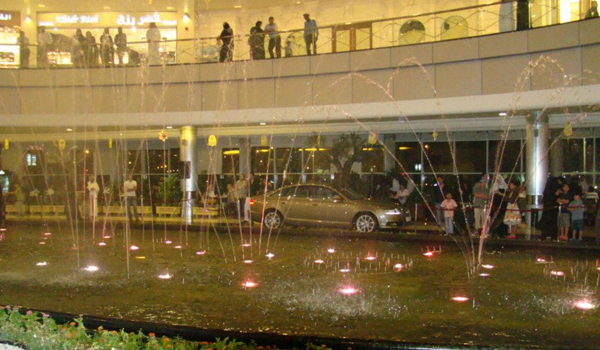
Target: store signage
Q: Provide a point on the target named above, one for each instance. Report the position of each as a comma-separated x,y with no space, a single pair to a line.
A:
10,18
76,19
109,19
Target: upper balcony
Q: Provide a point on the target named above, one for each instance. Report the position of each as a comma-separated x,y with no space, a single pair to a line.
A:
409,72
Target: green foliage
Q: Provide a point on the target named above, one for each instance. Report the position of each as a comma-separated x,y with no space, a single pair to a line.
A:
170,191
36,332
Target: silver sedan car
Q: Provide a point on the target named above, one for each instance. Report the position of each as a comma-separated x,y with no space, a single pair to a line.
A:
312,204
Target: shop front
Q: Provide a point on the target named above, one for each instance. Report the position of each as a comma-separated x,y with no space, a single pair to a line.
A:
66,46
10,24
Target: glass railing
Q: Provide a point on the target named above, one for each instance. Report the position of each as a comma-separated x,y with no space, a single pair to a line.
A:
452,24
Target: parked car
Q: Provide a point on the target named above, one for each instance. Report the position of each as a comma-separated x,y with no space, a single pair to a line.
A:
315,204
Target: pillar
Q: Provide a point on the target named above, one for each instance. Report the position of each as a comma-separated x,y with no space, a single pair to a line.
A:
537,161
389,142
188,170
245,156
557,153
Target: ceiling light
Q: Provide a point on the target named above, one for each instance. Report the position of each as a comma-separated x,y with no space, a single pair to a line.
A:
186,17
238,6
502,114
41,5
169,127
170,8
69,129
263,123
107,7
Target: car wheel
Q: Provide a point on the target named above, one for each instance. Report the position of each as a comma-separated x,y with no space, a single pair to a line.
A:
273,219
365,222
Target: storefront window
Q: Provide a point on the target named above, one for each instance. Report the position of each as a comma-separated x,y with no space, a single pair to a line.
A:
573,155
288,160
231,161
65,51
408,155
262,160
471,156
317,160
440,157
173,161
373,160
157,161
509,155
10,21
134,162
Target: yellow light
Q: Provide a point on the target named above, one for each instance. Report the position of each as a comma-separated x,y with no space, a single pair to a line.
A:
232,152
404,148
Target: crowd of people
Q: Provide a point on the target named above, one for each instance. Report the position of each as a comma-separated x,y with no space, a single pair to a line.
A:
497,206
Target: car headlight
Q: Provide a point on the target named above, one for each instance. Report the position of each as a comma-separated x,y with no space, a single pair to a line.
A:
392,212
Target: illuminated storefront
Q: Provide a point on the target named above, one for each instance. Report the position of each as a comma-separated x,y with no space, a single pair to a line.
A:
63,26
10,22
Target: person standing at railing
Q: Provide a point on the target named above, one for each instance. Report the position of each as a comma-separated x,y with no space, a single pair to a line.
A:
107,48
153,38
274,38
593,11
256,40
226,38
77,55
24,49
311,34
44,40
90,50
523,15
121,42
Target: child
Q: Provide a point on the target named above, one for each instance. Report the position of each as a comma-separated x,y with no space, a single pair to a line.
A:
288,49
576,208
448,206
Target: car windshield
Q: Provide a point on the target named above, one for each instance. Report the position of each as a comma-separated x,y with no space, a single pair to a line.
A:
350,194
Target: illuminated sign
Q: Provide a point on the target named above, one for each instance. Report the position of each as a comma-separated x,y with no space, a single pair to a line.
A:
10,18
76,19
109,19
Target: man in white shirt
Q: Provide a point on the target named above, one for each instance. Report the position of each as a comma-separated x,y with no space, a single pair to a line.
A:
153,38
311,34
130,187
93,189
44,41
274,37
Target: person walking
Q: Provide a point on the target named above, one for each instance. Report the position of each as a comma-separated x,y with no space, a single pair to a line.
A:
274,38
226,38
241,190
44,40
257,42
93,190
130,186
153,38
24,50
311,34
107,48
121,42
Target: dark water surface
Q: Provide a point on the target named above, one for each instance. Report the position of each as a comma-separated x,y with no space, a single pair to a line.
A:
519,303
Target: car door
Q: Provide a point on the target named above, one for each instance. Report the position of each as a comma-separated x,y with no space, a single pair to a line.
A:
295,204
330,207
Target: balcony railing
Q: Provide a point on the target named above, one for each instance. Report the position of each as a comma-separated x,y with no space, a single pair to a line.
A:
452,24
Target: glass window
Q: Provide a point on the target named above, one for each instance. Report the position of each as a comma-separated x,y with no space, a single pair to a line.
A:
408,155
262,160
322,193
231,161
510,156
134,162
317,160
373,160
288,159
174,160
440,157
573,151
157,161
471,156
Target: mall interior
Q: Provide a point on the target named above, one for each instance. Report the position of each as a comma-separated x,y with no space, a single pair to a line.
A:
448,88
